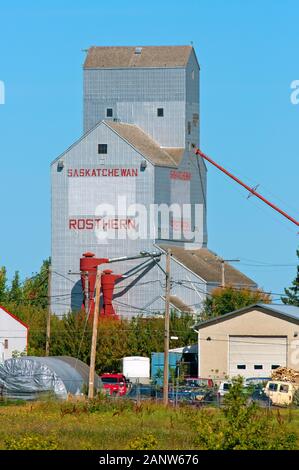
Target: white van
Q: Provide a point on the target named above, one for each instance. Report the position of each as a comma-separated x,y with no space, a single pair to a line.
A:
224,388
280,393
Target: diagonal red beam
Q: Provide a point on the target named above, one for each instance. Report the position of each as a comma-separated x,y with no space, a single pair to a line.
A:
251,190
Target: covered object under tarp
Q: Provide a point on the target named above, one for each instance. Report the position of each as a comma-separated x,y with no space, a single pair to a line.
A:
30,377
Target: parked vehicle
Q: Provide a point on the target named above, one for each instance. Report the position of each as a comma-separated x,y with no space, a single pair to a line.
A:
193,396
144,392
281,393
256,380
136,369
256,394
224,388
199,382
115,384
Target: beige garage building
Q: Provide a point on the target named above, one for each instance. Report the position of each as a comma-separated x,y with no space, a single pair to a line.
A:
251,342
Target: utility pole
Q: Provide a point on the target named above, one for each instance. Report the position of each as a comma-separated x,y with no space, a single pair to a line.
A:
48,328
94,335
223,261
86,293
166,330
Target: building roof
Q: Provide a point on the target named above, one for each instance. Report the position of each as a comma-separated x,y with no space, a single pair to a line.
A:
14,317
178,304
176,153
141,142
287,312
133,57
207,265
145,145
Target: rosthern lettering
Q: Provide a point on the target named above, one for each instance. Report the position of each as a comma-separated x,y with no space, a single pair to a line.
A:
101,223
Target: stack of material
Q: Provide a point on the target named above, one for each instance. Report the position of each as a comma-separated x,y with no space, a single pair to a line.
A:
285,375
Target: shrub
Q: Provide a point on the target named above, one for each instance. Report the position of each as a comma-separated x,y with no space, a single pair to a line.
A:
146,442
242,427
31,442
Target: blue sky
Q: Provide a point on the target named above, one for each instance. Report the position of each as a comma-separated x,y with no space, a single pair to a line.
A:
248,53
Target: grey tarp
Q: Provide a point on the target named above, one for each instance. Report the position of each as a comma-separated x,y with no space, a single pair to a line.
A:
31,377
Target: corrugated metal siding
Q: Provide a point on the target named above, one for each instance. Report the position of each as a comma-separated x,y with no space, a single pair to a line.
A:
135,96
68,245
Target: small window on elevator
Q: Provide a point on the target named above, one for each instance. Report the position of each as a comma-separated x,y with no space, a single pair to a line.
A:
102,149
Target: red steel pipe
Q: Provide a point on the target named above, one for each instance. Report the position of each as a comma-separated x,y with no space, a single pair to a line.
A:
251,190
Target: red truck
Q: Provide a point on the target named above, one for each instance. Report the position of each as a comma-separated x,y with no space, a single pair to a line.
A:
115,384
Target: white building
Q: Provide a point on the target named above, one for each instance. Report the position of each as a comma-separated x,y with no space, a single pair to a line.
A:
141,121
251,342
13,335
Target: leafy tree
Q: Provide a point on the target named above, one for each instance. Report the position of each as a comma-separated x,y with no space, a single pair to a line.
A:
35,289
35,318
3,286
240,426
71,334
15,293
228,299
292,294
181,326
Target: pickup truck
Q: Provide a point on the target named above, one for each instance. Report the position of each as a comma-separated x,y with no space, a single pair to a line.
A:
114,384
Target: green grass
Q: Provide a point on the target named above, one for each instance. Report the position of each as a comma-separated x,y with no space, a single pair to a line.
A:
104,425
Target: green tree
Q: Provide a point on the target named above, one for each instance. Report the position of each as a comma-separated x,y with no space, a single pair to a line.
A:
181,327
71,336
292,294
15,293
3,285
228,299
35,289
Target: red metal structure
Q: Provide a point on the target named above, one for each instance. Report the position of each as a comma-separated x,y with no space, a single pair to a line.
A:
88,268
251,190
108,280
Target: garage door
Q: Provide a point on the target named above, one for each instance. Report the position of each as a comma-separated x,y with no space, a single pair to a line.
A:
256,356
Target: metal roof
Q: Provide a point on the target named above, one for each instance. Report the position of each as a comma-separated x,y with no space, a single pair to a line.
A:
169,157
207,265
283,311
147,146
134,57
288,310
176,153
